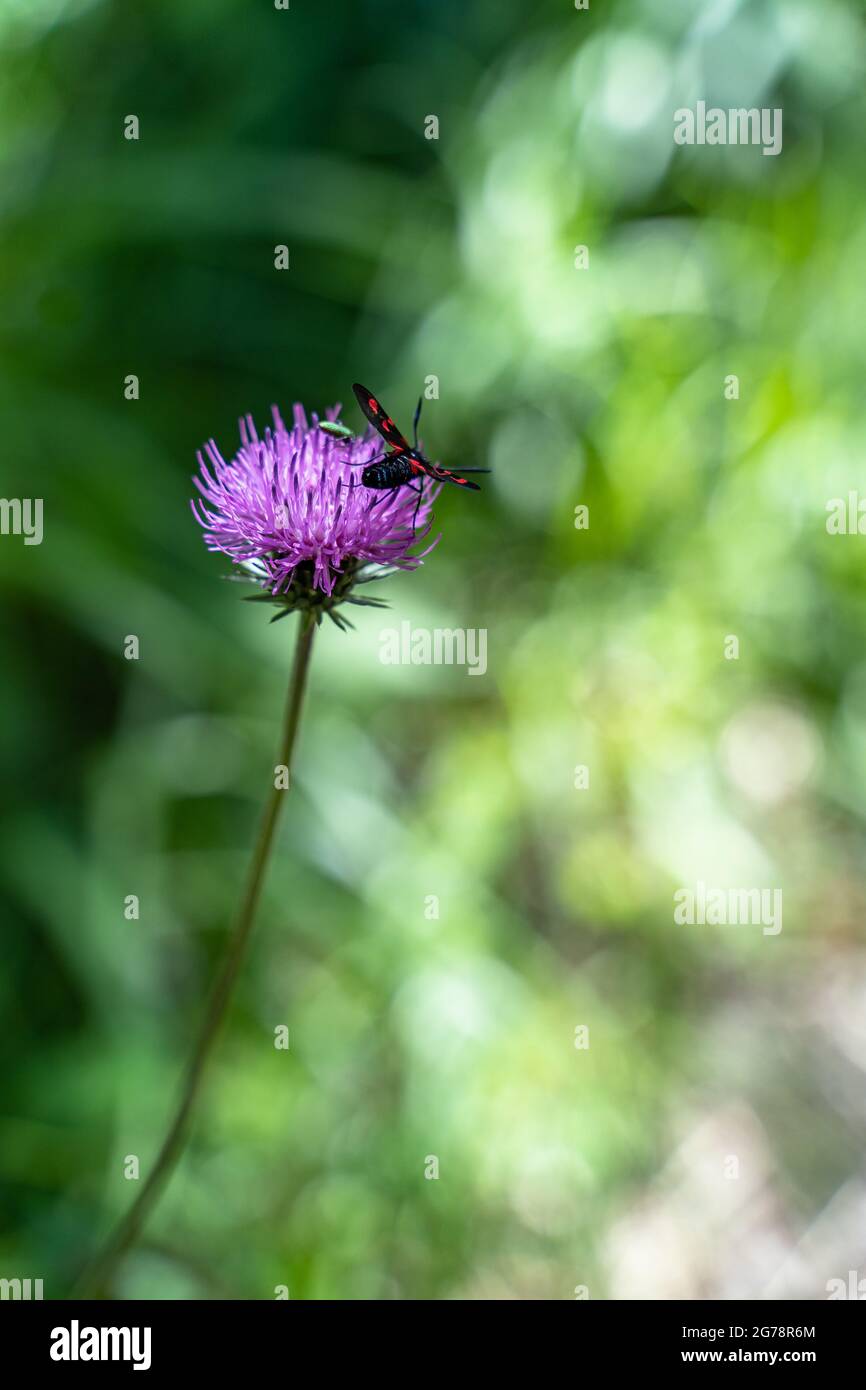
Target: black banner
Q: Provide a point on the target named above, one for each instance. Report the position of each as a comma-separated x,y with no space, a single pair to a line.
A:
153,1338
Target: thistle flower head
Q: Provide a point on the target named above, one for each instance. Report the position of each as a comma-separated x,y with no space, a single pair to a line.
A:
291,510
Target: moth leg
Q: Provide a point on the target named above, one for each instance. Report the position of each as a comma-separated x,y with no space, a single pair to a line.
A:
420,491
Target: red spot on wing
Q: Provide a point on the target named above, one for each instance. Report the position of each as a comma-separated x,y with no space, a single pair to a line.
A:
455,478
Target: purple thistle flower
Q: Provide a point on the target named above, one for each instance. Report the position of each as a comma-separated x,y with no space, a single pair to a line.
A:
289,507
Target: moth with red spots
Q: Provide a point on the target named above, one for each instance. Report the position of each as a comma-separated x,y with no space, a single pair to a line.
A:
403,465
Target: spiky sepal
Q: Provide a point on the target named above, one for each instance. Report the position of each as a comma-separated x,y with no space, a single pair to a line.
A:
302,595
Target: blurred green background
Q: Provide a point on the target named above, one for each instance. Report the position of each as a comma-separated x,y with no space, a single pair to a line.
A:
608,1167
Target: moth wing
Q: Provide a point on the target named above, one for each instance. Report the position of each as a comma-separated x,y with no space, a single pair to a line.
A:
379,417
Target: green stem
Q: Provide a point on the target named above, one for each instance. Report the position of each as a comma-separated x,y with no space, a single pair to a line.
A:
98,1274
